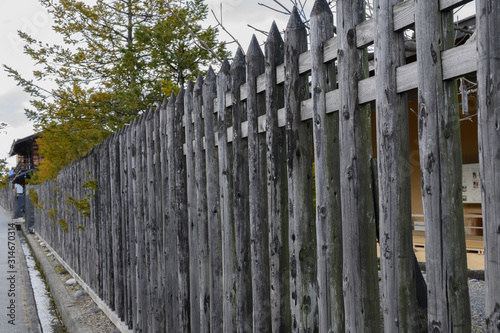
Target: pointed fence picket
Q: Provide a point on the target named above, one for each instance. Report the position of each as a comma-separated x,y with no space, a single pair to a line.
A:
208,213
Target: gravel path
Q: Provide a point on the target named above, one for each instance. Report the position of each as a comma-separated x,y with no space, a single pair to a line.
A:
477,298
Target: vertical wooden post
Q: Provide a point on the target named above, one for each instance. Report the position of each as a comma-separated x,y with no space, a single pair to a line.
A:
302,233
166,252
131,175
152,225
327,177
157,231
146,220
135,206
117,221
98,221
393,157
452,206
201,204
98,225
440,162
361,295
159,310
241,215
259,228
73,231
194,289
124,190
171,227
277,190
214,227
226,203
105,228
142,217
488,75
90,229
179,211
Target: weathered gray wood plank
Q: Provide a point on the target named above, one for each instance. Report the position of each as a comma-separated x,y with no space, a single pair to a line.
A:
165,255
106,231
98,222
117,224
152,226
226,203
139,211
131,175
172,282
327,177
302,231
146,185
214,222
452,206
194,290
201,207
439,161
259,234
158,206
179,211
241,208
393,156
124,189
361,296
277,190
488,77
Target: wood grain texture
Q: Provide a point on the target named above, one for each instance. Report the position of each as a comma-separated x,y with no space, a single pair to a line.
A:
302,231
327,177
439,139
241,208
213,219
226,202
489,145
259,243
201,207
277,189
361,295
394,190
194,289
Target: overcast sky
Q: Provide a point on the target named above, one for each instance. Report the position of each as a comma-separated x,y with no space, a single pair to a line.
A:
29,16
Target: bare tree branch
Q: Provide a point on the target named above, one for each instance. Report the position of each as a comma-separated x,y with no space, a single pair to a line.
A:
286,9
265,33
274,9
219,22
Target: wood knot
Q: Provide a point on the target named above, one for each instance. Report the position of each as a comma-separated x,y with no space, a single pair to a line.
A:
351,37
349,173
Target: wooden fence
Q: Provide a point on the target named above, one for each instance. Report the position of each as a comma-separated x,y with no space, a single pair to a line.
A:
8,198
209,215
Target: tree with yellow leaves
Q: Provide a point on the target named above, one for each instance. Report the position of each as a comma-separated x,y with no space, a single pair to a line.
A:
117,58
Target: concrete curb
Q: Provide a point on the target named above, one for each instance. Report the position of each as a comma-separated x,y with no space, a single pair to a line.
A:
30,309
64,302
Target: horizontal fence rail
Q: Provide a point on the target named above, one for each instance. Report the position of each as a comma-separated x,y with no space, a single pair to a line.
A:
250,201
